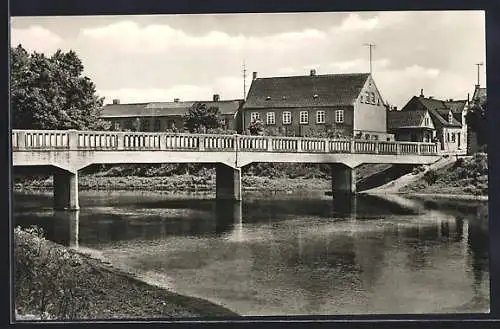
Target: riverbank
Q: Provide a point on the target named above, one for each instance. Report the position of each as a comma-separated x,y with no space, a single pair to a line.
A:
54,282
191,183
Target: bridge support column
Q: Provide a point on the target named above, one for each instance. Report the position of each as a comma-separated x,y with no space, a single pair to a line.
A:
227,182
343,180
66,190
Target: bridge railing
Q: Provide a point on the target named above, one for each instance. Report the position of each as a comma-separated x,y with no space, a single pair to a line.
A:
109,140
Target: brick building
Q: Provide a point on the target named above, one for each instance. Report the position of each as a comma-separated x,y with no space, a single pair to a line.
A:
343,104
163,116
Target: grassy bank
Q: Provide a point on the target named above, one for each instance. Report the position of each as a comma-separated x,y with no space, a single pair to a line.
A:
188,182
466,176
54,282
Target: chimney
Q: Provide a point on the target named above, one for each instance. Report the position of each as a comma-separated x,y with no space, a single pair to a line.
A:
422,92
116,101
176,100
254,75
313,72
216,97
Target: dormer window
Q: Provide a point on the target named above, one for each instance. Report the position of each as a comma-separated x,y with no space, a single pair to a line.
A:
315,96
283,98
268,98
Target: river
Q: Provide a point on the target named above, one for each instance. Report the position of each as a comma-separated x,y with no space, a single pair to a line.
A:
281,254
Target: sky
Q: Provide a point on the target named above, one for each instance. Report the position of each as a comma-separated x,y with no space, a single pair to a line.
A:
191,57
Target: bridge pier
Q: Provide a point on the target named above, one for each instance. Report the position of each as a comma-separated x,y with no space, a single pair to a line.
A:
66,190
227,182
343,180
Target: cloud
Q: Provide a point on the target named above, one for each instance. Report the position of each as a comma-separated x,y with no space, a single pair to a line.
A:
355,22
131,37
35,38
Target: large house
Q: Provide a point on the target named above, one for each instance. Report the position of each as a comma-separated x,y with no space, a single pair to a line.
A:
348,105
163,116
425,119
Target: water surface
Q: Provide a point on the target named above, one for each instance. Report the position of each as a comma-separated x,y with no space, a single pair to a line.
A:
273,254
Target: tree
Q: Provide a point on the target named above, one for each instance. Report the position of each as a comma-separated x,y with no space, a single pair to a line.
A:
51,93
199,118
476,120
256,127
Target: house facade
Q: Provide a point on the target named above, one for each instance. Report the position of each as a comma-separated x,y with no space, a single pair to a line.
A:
167,116
348,105
425,119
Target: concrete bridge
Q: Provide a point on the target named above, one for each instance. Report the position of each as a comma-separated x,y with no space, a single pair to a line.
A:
67,151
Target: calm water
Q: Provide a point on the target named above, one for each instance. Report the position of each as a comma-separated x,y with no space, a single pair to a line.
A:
286,254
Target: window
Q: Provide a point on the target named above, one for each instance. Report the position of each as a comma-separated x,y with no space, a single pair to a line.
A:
223,122
117,126
367,97
339,116
450,117
270,119
373,98
320,116
448,137
146,125
287,118
304,117
361,98
427,122
453,137
254,116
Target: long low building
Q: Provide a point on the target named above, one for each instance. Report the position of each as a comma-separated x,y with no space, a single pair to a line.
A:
165,116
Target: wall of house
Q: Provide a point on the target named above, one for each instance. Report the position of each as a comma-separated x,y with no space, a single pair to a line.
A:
370,116
450,138
417,135
164,123
149,124
295,128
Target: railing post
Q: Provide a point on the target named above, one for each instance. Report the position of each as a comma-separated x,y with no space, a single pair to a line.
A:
163,141
299,145
398,148
353,146
201,144
419,151
376,147
120,141
21,139
327,145
73,139
269,144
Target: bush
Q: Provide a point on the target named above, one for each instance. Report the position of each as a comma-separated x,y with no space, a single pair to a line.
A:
45,282
430,177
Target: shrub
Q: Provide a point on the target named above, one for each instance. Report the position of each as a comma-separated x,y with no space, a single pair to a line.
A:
45,282
430,177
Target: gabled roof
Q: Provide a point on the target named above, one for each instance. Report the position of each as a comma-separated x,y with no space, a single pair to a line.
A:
405,119
456,106
164,108
438,110
300,91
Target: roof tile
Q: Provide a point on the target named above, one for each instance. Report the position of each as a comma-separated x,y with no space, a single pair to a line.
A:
300,91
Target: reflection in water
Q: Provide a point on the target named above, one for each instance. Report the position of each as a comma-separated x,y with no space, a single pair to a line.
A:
286,256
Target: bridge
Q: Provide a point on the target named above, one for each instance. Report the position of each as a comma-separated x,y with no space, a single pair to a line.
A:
68,151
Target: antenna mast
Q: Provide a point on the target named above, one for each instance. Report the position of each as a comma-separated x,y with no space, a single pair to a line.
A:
370,45
244,80
478,66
